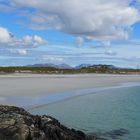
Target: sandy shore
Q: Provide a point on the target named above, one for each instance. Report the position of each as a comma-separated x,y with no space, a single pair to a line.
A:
40,85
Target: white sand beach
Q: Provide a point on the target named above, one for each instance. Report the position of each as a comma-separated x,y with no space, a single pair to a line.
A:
41,85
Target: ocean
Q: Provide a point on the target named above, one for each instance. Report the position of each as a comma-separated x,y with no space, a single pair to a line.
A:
112,113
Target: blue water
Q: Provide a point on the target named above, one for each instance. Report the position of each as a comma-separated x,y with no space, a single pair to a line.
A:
102,113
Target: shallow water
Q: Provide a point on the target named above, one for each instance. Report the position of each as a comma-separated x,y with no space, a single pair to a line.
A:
108,113
29,102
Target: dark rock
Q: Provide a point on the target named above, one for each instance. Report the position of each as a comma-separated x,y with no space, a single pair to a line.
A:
18,124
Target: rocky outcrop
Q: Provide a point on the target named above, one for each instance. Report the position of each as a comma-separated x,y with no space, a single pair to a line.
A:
18,124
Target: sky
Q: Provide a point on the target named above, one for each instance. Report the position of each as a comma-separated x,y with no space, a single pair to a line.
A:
70,31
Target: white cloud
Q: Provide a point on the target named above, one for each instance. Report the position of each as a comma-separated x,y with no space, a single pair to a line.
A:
106,44
110,52
7,39
5,36
33,41
79,41
52,59
95,19
19,51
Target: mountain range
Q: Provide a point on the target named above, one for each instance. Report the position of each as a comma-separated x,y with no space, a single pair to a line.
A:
66,66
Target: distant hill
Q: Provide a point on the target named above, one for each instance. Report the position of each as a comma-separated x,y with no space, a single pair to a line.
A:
103,66
59,66
66,66
83,66
96,66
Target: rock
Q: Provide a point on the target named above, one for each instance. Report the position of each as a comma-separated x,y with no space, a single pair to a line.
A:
18,124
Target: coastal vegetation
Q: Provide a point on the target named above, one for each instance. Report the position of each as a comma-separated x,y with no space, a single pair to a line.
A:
108,69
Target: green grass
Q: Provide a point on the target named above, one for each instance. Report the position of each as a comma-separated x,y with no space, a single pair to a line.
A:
52,70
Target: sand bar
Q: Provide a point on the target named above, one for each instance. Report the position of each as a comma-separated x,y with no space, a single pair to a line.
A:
42,85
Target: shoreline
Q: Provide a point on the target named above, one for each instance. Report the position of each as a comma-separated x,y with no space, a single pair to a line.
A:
37,88
64,74
83,92
34,85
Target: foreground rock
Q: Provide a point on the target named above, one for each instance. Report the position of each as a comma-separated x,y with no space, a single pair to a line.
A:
17,124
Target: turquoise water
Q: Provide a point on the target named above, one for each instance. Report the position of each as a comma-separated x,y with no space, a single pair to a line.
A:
104,113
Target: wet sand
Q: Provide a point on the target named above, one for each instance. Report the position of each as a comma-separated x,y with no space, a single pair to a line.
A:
42,85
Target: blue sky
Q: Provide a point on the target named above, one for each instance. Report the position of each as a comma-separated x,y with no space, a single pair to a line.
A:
71,32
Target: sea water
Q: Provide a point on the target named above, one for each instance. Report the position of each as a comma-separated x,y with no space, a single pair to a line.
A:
109,114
